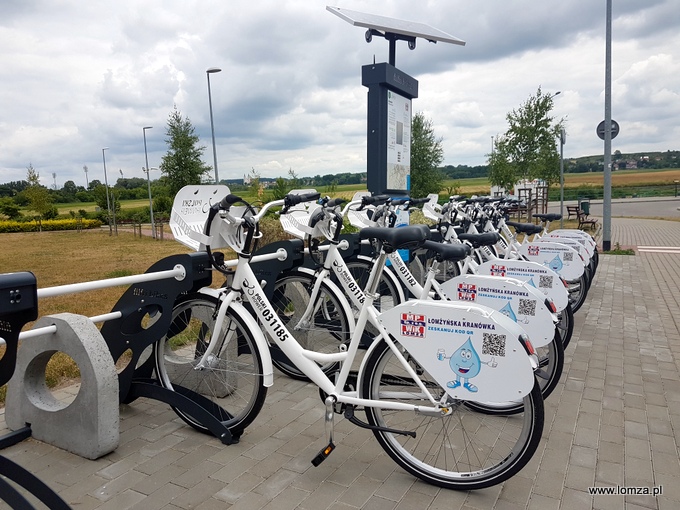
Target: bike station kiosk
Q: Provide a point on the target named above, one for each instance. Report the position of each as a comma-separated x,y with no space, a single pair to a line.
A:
390,92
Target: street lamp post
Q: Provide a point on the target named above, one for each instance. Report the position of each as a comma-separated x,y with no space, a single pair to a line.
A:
676,188
148,182
106,182
563,139
210,71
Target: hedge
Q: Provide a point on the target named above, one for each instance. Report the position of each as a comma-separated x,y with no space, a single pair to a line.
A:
32,226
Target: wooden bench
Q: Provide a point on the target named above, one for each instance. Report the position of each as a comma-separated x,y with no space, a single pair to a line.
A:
572,210
584,221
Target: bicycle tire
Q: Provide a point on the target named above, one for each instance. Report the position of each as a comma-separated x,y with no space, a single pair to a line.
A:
464,450
329,327
233,381
550,367
390,289
446,270
566,325
578,290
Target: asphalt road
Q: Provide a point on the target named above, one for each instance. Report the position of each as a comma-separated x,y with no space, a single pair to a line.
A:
653,207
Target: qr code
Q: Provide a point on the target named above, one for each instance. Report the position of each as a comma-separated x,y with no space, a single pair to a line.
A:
527,307
545,282
493,345
568,256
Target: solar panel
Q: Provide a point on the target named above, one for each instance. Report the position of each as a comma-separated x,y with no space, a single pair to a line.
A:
394,26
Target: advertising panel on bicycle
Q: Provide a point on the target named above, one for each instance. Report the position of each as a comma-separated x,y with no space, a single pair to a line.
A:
472,351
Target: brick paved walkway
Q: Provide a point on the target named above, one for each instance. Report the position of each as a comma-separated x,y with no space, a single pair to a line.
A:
613,420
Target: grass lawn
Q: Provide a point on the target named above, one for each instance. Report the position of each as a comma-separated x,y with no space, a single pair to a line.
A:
59,258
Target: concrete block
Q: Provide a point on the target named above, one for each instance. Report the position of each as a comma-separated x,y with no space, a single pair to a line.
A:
89,425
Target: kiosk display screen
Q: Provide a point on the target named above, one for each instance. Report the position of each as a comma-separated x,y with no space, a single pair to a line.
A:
398,142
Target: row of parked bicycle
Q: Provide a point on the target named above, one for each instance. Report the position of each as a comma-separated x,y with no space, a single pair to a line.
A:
447,336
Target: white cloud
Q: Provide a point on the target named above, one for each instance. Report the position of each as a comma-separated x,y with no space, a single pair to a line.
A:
76,77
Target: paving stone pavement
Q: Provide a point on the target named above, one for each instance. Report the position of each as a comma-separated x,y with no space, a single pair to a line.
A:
613,421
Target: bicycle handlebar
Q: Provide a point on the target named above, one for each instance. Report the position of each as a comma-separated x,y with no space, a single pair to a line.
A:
228,200
376,199
335,202
294,199
418,201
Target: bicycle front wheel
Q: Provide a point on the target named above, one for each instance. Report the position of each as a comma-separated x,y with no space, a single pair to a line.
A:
320,326
463,450
231,384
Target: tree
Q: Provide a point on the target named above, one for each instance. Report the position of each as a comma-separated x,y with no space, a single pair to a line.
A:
528,149
69,190
501,172
426,156
280,188
255,183
182,164
39,199
9,208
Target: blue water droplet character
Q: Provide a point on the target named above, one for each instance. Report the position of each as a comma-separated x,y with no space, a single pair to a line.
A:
465,363
531,282
556,263
508,312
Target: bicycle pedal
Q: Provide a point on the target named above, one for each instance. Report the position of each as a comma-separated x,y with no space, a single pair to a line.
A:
323,454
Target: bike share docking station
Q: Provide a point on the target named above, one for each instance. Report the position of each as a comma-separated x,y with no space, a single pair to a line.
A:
88,425
390,93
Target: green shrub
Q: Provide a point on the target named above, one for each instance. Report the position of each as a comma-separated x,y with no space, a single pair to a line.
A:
32,226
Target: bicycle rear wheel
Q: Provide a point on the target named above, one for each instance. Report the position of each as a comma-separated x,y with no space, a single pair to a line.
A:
565,326
578,290
550,367
232,383
464,450
324,331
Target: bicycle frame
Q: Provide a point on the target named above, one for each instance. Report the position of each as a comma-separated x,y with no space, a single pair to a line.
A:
516,361
245,285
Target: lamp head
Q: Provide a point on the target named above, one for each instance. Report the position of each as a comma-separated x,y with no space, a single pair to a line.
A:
211,70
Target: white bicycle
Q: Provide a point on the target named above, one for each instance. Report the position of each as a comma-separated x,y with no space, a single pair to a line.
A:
430,359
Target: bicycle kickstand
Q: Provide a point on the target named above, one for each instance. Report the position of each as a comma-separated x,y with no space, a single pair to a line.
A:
329,416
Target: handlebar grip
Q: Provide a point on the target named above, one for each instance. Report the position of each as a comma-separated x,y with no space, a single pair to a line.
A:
418,201
294,199
229,200
335,202
379,199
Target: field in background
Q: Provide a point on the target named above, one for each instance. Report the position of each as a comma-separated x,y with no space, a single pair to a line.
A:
479,185
619,178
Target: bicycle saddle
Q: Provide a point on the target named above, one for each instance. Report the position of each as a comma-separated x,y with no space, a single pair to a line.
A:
477,240
525,228
411,236
444,252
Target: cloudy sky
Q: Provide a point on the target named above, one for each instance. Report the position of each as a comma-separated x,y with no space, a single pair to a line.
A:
79,76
